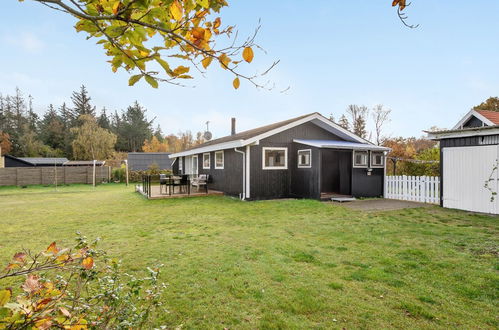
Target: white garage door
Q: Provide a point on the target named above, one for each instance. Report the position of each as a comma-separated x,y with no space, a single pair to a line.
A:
465,173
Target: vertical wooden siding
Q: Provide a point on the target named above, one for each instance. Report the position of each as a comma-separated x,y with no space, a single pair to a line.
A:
23,176
286,183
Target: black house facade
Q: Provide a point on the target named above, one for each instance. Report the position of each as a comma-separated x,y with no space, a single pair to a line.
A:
304,157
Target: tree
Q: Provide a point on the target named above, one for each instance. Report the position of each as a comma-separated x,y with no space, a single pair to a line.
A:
174,35
380,117
81,104
159,134
132,128
491,104
31,146
5,143
358,116
52,129
343,122
92,142
154,145
103,120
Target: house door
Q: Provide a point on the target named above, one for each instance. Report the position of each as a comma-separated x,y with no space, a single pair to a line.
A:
195,165
336,171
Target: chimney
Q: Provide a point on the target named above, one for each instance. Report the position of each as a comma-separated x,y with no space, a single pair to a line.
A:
233,126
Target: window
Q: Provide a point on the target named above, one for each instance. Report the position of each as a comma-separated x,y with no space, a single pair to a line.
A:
377,159
275,158
180,164
360,159
219,160
206,161
305,158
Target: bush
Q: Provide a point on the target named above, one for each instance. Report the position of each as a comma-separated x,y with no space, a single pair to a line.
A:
76,288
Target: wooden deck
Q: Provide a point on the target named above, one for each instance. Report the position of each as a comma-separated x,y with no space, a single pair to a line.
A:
155,193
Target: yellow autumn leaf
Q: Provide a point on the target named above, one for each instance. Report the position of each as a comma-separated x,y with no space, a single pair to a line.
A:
236,83
88,263
4,297
206,62
248,54
176,10
224,61
53,248
116,7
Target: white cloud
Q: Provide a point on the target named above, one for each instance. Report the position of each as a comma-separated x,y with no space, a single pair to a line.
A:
26,41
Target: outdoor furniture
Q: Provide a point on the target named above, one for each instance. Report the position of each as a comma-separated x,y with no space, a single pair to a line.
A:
200,181
172,181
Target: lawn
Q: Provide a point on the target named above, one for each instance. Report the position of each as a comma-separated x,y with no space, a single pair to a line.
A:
278,264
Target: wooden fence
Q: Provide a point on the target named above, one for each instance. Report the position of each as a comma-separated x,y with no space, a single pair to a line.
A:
23,176
425,189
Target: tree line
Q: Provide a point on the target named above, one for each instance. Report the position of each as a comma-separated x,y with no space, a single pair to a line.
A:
76,131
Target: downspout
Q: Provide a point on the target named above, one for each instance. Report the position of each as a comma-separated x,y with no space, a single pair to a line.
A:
243,195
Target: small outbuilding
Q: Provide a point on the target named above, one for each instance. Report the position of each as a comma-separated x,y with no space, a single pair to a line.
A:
469,156
11,161
142,161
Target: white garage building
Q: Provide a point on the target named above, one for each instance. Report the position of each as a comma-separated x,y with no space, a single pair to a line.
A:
469,156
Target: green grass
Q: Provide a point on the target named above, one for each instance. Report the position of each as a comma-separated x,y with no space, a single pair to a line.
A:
278,264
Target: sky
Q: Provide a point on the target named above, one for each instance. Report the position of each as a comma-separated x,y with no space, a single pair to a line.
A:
332,54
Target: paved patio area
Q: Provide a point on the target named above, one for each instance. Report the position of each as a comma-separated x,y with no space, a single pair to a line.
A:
381,204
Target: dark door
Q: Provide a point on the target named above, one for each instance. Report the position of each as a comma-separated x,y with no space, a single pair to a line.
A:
336,171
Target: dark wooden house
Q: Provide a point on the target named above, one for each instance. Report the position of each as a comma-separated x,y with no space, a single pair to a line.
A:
304,157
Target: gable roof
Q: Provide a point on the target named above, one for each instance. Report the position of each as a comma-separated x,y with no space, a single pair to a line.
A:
254,135
493,116
489,118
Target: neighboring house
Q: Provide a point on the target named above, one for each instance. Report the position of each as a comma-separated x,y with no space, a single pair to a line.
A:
11,161
142,161
305,157
478,118
469,156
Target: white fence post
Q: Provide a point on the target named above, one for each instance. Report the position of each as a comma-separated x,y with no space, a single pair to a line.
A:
423,189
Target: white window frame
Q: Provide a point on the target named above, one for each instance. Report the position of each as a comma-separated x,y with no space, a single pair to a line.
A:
367,158
309,158
285,167
373,153
209,161
223,160
180,164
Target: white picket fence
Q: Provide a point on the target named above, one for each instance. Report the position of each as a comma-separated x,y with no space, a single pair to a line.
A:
425,189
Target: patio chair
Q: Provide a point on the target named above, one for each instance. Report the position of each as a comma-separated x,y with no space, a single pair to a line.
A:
200,181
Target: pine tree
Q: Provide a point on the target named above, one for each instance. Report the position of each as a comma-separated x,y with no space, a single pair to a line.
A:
81,104
52,129
159,134
103,120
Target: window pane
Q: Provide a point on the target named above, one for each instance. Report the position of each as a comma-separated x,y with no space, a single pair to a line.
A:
219,160
304,158
275,158
360,158
206,160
